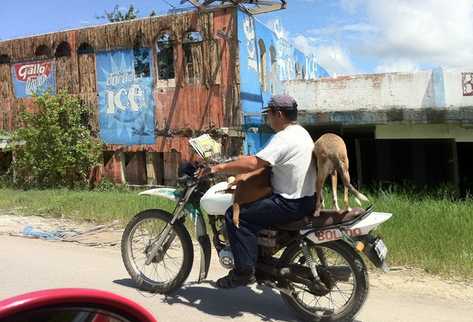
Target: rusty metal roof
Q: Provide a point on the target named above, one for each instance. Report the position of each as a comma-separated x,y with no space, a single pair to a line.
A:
182,11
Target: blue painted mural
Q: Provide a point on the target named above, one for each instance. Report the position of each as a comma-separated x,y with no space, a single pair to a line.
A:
267,59
126,104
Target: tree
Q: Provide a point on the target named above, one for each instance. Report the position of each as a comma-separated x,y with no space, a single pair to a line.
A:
118,15
55,145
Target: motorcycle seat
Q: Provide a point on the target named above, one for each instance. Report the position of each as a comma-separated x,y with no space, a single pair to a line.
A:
328,217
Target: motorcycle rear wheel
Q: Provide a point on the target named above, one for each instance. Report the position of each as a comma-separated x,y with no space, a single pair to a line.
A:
354,299
137,239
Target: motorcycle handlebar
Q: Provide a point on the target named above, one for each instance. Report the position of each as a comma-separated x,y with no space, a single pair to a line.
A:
190,177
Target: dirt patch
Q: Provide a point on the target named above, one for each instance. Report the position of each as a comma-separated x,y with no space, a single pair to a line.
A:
417,282
60,229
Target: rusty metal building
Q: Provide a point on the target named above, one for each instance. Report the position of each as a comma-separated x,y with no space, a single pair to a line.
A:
211,71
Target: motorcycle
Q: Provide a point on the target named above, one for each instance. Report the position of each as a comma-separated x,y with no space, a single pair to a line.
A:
315,263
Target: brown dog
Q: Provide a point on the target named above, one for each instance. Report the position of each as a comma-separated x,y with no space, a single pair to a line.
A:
249,187
330,152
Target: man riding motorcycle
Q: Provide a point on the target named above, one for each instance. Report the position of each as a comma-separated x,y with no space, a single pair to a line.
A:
289,154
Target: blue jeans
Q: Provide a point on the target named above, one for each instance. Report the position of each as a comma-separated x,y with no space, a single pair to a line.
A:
258,215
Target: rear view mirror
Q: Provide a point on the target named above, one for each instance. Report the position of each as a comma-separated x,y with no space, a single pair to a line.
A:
72,305
68,314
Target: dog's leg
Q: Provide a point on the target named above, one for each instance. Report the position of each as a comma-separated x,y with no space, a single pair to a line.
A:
346,185
345,199
334,190
346,182
322,200
321,176
342,169
236,215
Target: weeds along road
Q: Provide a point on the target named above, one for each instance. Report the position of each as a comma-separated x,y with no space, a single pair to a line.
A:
27,265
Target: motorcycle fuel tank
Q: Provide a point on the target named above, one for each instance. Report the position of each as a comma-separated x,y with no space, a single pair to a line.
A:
215,201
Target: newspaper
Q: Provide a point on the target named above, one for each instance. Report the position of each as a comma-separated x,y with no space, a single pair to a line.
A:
206,147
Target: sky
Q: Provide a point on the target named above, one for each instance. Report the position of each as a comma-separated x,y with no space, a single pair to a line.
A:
348,36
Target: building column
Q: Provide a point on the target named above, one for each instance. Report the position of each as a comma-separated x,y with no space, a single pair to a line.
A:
121,160
359,168
453,165
172,160
151,168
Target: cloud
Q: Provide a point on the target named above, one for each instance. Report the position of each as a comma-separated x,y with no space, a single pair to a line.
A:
399,65
425,32
337,30
304,44
397,35
351,6
331,56
392,35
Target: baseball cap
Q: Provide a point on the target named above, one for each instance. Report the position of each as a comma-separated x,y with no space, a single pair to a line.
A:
281,103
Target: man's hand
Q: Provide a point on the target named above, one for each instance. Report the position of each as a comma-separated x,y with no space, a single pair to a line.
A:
237,179
203,172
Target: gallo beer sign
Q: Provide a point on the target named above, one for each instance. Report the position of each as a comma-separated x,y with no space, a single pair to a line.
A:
34,78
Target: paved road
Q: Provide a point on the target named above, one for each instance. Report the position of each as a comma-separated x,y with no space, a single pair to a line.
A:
27,265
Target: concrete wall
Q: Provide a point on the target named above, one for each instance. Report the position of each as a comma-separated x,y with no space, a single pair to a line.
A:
437,89
458,87
457,132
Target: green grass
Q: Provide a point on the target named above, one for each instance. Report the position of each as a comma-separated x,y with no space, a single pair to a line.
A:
99,207
429,229
431,232
434,234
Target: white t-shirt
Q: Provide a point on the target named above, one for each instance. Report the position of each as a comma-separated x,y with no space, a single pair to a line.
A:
290,154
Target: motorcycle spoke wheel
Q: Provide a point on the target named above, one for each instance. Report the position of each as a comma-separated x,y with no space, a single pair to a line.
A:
169,269
165,267
346,278
334,301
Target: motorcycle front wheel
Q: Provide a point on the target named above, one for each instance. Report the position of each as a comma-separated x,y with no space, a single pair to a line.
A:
172,264
339,266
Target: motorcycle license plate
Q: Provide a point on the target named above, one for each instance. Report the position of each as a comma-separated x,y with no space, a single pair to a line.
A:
381,249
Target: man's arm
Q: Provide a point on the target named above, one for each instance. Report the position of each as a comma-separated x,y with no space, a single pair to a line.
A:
242,165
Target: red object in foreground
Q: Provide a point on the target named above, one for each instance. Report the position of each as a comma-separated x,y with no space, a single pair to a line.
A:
74,296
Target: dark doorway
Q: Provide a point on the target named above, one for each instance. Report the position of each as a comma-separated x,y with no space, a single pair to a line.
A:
5,162
465,167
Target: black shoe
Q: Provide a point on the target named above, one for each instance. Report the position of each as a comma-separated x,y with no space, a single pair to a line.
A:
236,279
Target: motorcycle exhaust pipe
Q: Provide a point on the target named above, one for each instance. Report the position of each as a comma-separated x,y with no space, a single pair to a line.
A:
303,275
285,272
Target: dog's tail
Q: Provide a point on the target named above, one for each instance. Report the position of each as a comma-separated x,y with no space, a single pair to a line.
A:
358,195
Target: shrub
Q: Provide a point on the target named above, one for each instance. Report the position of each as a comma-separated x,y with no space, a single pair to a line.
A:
54,146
